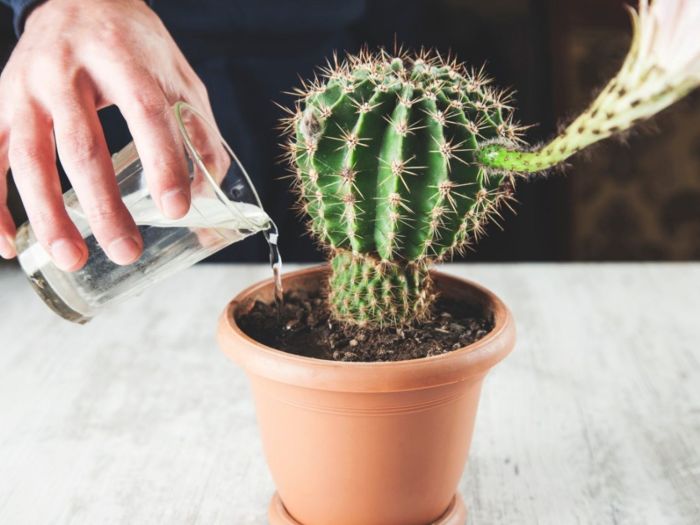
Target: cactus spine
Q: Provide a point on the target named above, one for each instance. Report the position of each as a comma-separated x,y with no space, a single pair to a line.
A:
383,149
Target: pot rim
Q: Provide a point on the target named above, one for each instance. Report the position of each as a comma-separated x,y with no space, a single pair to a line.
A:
381,376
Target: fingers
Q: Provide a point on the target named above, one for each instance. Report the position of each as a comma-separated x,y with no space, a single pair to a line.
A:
214,158
33,161
203,131
84,155
7,225
153,128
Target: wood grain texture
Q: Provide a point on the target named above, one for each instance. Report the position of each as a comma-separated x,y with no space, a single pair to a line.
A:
136,418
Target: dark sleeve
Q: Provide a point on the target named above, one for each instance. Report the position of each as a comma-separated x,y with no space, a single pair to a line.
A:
21,9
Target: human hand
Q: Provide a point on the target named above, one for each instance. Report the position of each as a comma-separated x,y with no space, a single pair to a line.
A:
71,61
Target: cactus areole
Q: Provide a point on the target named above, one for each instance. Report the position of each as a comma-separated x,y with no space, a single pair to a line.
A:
383,149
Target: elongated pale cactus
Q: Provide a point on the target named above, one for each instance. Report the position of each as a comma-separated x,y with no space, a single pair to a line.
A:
662,66
400,161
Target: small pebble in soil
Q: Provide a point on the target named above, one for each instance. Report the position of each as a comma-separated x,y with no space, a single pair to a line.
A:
305,328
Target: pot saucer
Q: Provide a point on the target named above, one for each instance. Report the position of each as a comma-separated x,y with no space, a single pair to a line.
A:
456,513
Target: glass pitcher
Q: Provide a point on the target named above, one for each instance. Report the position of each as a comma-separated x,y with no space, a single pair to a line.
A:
225,209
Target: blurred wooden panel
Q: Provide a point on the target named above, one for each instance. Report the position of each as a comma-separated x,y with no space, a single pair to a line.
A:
636,198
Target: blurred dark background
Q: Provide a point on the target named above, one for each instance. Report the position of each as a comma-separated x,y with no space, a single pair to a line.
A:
632,200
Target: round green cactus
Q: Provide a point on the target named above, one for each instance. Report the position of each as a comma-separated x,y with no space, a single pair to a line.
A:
384,154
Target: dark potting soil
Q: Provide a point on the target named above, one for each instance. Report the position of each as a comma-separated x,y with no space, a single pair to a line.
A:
305,328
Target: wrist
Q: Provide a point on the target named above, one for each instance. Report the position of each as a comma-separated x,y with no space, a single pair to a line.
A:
42,9
62,9
23,10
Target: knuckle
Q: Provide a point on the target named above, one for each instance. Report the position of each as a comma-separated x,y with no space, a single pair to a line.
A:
80,146
150,104
111,33
44,222
68,95
54,63
25,156
105,213
20,87
62,56
168,173
42,63
200,88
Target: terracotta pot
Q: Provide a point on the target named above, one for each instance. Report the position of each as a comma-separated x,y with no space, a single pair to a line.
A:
366,443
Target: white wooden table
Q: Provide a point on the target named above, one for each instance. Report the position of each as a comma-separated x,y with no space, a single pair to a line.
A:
136,418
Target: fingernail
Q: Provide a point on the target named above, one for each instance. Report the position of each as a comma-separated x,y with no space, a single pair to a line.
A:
124,250
174,204
66,254
7,247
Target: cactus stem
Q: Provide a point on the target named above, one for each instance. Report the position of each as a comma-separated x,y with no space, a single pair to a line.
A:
366,289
